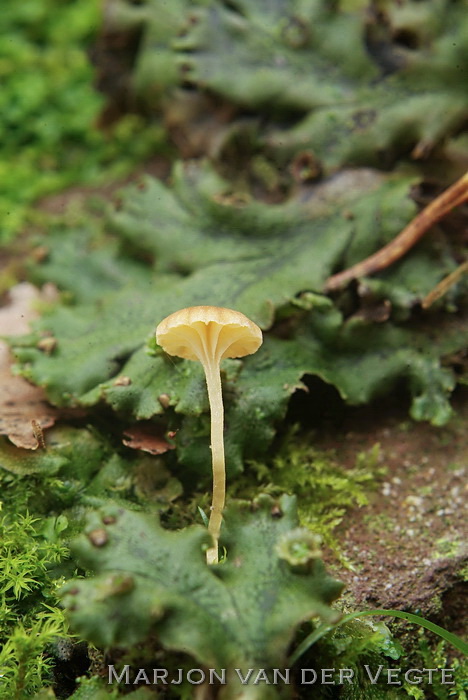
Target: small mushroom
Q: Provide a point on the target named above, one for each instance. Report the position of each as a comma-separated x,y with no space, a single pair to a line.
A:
209,334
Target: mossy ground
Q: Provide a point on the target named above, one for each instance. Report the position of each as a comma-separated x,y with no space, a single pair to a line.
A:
414,521
385,493
373,484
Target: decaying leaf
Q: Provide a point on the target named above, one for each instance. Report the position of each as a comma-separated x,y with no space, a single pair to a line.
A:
147,437
24,409
22,405
16,315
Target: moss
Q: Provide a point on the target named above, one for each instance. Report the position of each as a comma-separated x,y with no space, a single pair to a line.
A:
447,547
437,656
28,583
47,143
325,487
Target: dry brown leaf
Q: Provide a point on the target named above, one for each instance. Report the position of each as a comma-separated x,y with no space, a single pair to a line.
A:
144,436
24,410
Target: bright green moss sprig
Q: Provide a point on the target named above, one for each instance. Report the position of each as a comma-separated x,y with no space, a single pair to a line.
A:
25,557
324,487
29,617
24,665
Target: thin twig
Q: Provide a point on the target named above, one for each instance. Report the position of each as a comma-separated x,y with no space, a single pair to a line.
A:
444,285
455,195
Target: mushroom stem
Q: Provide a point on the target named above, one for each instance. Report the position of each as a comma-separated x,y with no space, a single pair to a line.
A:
209,334
213,383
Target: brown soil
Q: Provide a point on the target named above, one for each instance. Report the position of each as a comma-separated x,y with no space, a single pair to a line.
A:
407,548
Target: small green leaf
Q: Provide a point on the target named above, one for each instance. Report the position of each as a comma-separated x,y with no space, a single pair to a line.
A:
203,516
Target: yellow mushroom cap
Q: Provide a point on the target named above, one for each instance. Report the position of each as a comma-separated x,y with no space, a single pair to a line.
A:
208,333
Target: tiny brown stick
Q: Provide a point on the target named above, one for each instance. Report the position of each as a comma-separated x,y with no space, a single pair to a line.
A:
455,195
444,285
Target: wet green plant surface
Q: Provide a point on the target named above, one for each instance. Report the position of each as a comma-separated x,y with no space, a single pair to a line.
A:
295,154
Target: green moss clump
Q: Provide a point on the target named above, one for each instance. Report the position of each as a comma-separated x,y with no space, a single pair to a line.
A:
325,488
49,108
28,587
